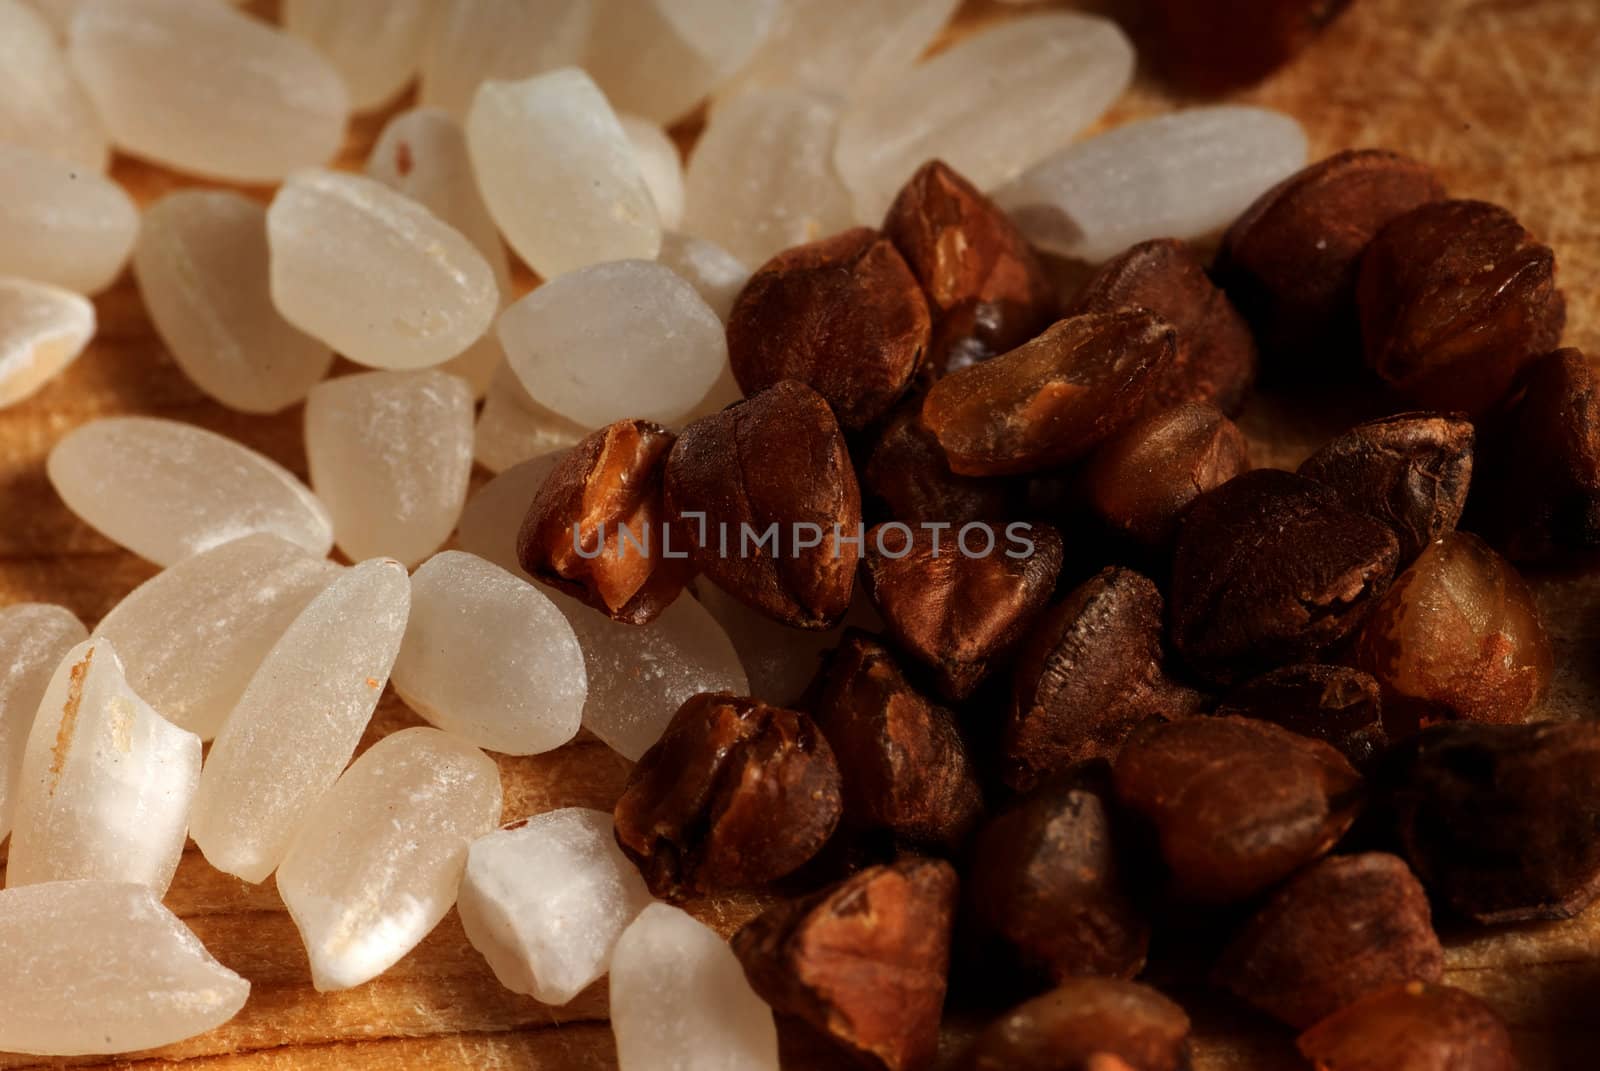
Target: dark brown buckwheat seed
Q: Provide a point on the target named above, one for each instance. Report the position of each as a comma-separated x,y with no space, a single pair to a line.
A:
1053,399
1340,929
843,315
734,794
1087,1024
1410,471
1338,705
902,761
1413,1027
1216,357
1458,636
777,460
1536,491
907,473
1271,568
986,290
1455,298
1045,879
1238,805
1290,262
610,481
1212,48
1088,675
958,611
865,961
1498,820
1141,480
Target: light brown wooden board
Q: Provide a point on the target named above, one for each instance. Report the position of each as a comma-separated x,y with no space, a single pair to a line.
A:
1503,96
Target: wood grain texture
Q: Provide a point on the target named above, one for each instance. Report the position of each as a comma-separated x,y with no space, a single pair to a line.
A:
1503,96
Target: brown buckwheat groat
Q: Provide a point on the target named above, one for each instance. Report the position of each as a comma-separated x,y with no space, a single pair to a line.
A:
1238,805
902,762
1536,488
1290,262
775,461
1087,1024
843,315
1216,358
1141,480
1052,399
958,604
1338,705
907,473
1271,568
865,961
1344,927
1212,48
1046,881
1458,636
1455,298
1411,471
1498,820
1412,1027
576,534
986,290
1087,676
734,794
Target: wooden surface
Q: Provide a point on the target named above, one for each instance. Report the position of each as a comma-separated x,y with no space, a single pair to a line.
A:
1503,96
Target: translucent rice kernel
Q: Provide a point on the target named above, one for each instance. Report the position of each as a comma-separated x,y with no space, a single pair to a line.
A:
375,45
166,490
374,274
101,968
559,174
391,455
299,720
42,107
62,224
488,657
203,88
378,863
43,329
106,781
202,267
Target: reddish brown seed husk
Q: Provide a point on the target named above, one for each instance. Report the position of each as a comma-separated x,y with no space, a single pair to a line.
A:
843,315
902,761
1238,805
1498,820
1339,705
735,794
1456,297
958,601
1212,48
1216,357
1087,1024
1053,399
1413,1027
1141,480
1087,676
1536,489
1290,262
986,289
1411,471
1344,927
1045,880
907,474
1272,568
1458,636
594,529
865,961
772,467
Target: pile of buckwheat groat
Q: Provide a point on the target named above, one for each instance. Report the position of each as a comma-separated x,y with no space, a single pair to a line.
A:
871,483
